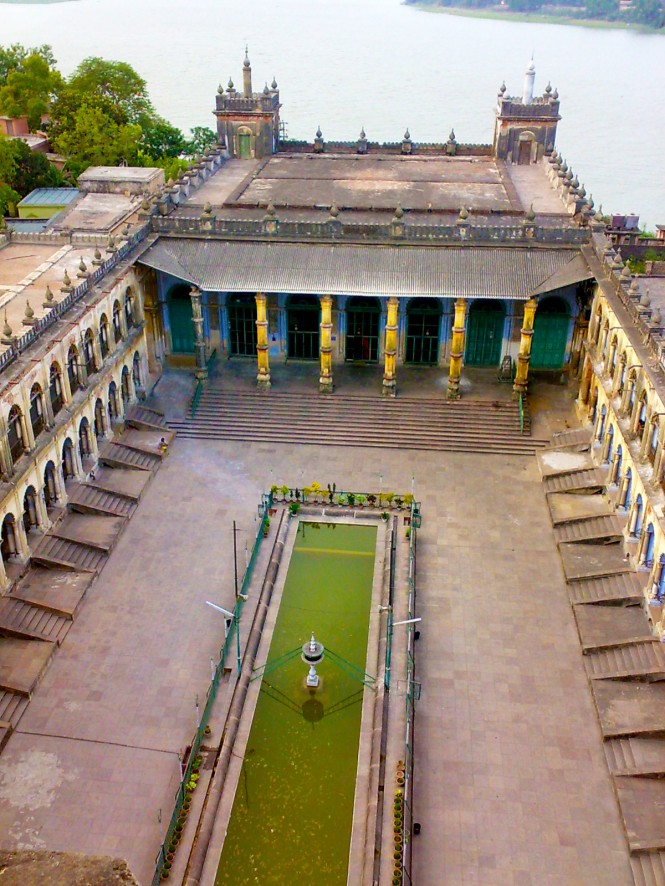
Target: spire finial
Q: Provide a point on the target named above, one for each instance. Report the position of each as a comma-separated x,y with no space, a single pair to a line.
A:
246,63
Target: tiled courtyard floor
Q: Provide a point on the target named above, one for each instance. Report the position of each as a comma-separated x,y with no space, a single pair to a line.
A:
511,782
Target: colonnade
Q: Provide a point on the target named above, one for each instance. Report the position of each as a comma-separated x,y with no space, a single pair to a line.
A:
326,383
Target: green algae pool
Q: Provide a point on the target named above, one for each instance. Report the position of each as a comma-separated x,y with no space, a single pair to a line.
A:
293,809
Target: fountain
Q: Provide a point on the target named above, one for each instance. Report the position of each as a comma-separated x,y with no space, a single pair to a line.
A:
312,654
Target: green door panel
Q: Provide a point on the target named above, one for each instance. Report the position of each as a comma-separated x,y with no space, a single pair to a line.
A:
550,336
484,337
182,328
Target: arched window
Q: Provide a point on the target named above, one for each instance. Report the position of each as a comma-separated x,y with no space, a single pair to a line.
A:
36,410
606,335
608,443
129,308
117,322
73,369
68,465
637,517
601,423
649,546
622,376
104,335
136,370
84,438
113,401
50,488
55,388
613,355
124,384
89,352
100,419
627,489
10,542
30,518
618,459
15,433
653,441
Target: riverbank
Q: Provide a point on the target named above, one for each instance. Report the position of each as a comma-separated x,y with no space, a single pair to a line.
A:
536,18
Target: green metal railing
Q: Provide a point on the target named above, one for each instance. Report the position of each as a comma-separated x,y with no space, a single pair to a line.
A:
521,405
231,640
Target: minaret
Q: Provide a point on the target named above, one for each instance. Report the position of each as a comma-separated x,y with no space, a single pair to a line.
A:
529,77
247,76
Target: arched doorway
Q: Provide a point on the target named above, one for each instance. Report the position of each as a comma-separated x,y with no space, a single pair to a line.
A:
601,423
245,143
550,333
637,517
303,312
124,385
36,410
68,465
15,433
136,370
608,444
30,518
362,329
10,543
627,489
55,388
180,320
50,486
485,333
241,310
73,369
117,322
423,322
618,459
649,545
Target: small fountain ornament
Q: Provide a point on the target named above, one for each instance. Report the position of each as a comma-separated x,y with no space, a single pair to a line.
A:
312,655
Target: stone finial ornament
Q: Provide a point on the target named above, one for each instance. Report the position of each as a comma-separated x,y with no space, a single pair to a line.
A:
656,317
625,273
207,210
230,87
555,94
97,257
645,300
220,90
502,89
66,281
7,333
29,315
530,216
399,212
111,247
463,214
319,134
266,91
407,135
82,272
273,85
334,211
548,88
49,301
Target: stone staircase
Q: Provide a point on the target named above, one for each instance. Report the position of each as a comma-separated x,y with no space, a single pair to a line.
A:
37,614
605,529
648,868
481,426
635,661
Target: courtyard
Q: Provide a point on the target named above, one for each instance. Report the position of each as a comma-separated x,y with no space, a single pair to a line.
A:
511,784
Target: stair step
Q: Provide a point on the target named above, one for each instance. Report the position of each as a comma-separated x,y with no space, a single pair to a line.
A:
608,528
621,589
636,660
117,455
591,480
648,868
89,499
12,707
21,619
635,756
142,417
577,439
71,554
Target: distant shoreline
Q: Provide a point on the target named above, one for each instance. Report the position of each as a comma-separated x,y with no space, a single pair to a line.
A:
534,17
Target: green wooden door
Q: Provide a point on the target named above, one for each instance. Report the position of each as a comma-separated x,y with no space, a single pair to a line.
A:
245,146
484,334
180,321
550,335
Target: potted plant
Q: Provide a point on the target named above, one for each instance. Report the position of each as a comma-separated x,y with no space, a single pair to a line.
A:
340,500
408,500
266,527
385,515
316,491
371,499
360,500
398,501
273,491
389,496
350,497
306,492
284,491
294,507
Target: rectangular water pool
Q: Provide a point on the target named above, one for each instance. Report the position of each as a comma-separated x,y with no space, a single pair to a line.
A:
292,815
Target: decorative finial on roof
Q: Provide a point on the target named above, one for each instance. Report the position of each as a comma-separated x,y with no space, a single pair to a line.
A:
273,85
463,214
111,247
582,191
319,134
334,211
66,281
555,94
625,273
230,87
97,257
451,137
399,212
530,214
266,91
656,318
270,210
220,90
207,208
362,133
645,301
49,301
246,63
83,269
502,88
29,315
548,88
634,285
7,332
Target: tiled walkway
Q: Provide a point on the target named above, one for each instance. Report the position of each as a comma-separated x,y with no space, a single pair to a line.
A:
512,786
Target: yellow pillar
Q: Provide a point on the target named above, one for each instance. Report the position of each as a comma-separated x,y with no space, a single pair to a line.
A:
263,376
390,350
457,350
326,376
522,374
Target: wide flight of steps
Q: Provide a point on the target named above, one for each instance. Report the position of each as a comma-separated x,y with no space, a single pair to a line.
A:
481,426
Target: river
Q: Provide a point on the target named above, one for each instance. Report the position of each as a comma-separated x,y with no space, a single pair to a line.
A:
343,64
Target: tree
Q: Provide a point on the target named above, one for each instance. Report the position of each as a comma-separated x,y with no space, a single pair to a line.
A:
117,83
160,139
95,139
32,170
29,90
202,138
7,160
12,58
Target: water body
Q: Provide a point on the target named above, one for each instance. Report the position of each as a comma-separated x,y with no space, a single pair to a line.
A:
343,64
293,810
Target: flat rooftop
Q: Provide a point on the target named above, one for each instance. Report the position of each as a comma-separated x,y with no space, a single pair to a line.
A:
301,186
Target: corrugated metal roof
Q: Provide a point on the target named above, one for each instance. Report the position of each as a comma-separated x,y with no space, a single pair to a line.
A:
50,197
335,269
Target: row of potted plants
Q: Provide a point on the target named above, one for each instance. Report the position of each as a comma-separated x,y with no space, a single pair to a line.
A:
317,495
398,824
190,787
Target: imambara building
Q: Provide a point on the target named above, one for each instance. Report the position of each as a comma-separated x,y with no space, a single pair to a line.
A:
272,252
